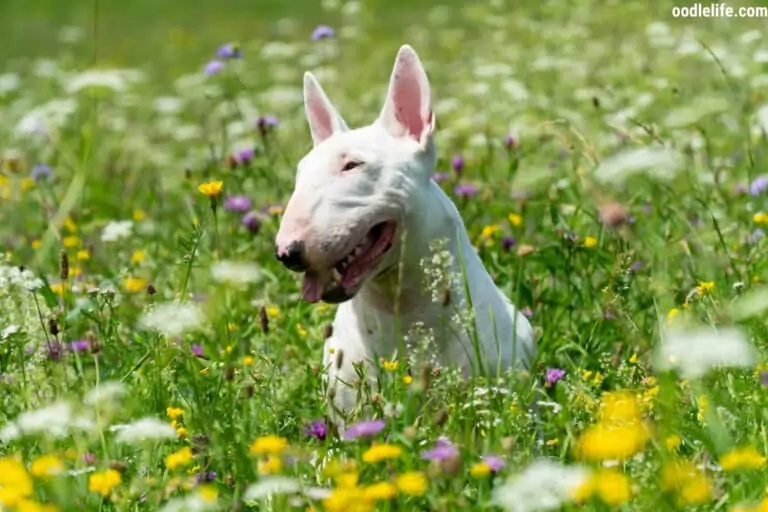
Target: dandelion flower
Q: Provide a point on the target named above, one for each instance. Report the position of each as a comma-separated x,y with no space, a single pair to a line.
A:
689,483
743,458
15,483
270,465
269,445
179,459
46,466
211,188
590,242
104,481
381,451
612,442
412,483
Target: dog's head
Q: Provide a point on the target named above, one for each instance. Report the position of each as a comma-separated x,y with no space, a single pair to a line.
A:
355,187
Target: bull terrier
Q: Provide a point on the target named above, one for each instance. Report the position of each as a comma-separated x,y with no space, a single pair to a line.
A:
362,218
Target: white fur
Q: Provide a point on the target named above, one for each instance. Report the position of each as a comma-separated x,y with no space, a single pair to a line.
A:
330,211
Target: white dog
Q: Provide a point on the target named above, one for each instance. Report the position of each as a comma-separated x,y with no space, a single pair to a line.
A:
363,216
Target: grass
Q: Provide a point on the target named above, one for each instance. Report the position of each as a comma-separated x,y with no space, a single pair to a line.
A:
101,411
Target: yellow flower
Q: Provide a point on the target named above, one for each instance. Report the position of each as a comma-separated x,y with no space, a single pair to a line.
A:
609,485
174,412
407,379
380,491
27,184
703,404
390,366
70,241
705,287
275,210
672,314
83,255
633,358
135,284
181,432
347,479
673,442
70,225
273,311
33,506
490,230
515,219
412,483
270,465
180,458
269,445
620,407
248,360
301,330
348,499
211,188
381,451
104,481
690,483
15,483
46,466
336,467
36,244
139,215
760,218
138,256
590,242
612,442
746,457
480,470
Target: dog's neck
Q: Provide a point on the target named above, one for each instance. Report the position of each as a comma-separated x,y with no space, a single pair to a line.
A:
402,288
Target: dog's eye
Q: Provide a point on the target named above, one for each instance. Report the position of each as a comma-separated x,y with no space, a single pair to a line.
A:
352,164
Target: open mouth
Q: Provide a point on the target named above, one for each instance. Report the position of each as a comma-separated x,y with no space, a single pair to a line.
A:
343,281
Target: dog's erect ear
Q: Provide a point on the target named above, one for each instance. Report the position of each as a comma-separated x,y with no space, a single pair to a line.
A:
322,116
407,110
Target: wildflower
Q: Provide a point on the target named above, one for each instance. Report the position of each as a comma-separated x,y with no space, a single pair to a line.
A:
117,230
15,483
213,67
443,450
612,442
758,186
70,241
507,243
619,407
316,429
553,376
138,256
479,470
104,481
590,242
135,284
229,51
139,215
269,445
145,429
197,350
46,466
322,32
673,442
381,451
248,360
83,255
705,287
407,379
742,458
515,219
390,366
364,429
489,231
172,319
543,485
179,459
80,346
689,483
252,221
457,164
269,466
726,347
510,141
412,483
266,123
211,188
174,412
609,485
182,432
494,463
380,491
465,190
235,273
760,218
41,172
238,204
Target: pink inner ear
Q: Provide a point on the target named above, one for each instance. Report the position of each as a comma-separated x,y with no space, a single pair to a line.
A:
319,117
407,99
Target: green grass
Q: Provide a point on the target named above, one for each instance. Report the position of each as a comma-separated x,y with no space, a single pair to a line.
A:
574,85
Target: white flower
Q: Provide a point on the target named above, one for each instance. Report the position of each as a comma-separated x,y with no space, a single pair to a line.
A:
9,82
172,318
196,502
45,117
694,351
235,273
115,79
117,230
56,420
10,432
104,393
9,331
656,161
167,105
145,429
269,486
544,485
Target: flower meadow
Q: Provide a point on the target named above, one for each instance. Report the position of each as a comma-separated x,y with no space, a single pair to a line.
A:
609,163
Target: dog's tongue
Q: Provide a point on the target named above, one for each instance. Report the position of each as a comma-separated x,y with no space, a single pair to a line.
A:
314,284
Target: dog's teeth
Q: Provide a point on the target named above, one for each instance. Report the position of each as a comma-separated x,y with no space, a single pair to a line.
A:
336,275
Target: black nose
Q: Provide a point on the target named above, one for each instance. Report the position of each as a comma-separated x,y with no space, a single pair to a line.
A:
293,257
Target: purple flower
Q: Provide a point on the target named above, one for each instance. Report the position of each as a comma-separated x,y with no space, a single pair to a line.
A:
637,265
316,429
89,459
443,450
237,204
366,428
244,156
510,141
229,51
197,350
759,186
55,350
553,376
494,462
252,221
213,67
440,176
205,476
508,243
757,235
40,172
322,32
457,163
528,312
465,190
266,123
80,345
